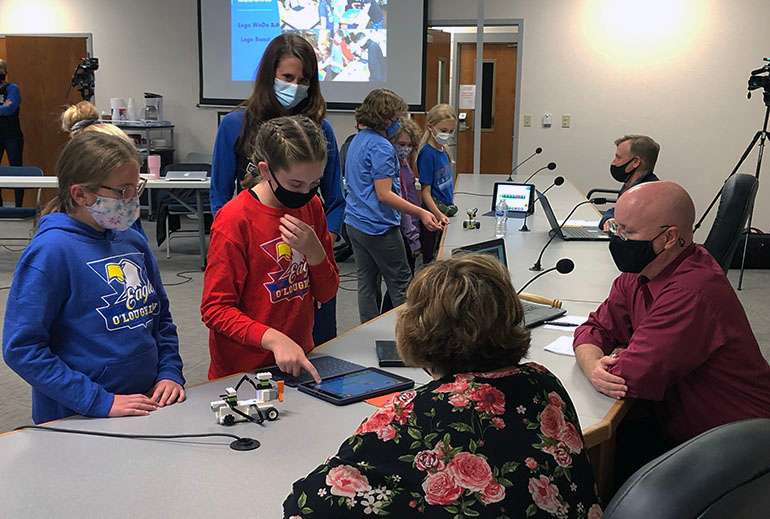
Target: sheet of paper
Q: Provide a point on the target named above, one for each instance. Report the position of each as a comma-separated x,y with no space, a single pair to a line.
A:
467,97
561,346
577,320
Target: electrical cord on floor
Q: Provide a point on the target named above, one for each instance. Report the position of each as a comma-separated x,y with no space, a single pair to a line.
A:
5,288
239,443
6,247
182,275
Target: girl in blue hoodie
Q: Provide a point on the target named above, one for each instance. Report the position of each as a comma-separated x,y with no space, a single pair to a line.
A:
87,322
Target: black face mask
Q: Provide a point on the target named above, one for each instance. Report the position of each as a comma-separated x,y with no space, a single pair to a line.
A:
620,174
633,255
2,77
291,199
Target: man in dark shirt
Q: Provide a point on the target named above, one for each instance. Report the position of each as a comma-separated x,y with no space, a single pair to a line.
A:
672,331
635,158
11,138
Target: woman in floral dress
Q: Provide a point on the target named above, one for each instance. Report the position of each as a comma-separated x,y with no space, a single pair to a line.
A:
489,437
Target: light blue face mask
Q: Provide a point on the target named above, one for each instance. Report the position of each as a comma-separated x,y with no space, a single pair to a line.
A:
289,94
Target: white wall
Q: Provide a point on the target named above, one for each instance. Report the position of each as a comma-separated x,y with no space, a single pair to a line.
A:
673,69
142,46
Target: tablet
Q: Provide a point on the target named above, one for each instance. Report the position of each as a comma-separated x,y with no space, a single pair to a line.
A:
520,198
354,387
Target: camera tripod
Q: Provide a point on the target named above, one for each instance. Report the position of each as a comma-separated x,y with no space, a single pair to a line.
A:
759,139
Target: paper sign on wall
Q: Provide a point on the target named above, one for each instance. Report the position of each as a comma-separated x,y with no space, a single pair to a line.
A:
467,97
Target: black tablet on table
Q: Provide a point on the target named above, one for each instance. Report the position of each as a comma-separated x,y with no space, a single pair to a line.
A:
356,386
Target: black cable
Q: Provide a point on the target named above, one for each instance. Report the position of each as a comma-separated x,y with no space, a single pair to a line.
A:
6,247
128,436
182,275
472,194
5,288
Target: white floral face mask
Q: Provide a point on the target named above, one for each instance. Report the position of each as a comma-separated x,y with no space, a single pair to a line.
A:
114,213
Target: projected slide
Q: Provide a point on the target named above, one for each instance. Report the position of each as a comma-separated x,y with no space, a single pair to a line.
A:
349,36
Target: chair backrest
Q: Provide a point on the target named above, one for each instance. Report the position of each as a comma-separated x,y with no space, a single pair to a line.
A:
20,171
724,472
187,166
735,205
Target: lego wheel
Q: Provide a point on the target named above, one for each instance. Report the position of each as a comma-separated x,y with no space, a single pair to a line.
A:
228,420
478,225
465,225
272,414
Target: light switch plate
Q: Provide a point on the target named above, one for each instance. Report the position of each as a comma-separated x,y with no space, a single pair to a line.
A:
566,121
527,121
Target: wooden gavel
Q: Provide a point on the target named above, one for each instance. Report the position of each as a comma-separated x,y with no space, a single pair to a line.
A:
532,298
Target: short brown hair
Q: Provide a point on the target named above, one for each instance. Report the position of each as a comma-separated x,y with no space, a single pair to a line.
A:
284,141
88,159
462,314
380,107
643,147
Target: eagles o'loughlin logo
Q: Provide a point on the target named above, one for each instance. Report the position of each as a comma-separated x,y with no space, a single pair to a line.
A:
292,280
132,301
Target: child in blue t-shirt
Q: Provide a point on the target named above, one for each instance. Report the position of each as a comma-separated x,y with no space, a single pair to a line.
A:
435,170
374,204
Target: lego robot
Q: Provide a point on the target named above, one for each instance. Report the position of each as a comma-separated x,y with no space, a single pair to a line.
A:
230,410
471,222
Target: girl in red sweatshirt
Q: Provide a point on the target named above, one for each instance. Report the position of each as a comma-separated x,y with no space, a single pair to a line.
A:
271,256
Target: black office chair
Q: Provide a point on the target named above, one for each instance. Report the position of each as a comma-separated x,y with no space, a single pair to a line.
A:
18,212
615,192
735,205
724,472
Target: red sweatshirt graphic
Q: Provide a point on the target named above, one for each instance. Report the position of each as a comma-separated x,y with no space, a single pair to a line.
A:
255,281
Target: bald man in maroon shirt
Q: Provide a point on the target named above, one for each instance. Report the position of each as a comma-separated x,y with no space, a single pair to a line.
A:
672,331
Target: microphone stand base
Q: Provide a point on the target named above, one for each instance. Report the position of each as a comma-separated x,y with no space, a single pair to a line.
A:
524,227
536,267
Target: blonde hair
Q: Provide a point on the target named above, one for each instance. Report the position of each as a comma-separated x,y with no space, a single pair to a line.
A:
83,117
436,115
284,141
462,314
88,159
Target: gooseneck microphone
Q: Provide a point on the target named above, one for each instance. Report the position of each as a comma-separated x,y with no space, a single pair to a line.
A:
597,201
538,151
563,266
556,182
550,165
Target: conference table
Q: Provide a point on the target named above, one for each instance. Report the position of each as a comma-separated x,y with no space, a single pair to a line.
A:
200,186
47,474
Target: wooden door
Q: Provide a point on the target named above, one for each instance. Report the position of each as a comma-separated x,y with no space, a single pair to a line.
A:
498,91
42,66
437,59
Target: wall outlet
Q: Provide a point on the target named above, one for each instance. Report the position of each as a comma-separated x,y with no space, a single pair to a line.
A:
566,121
527,121
547,120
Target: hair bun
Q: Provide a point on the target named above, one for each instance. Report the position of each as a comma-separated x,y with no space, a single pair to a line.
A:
74,114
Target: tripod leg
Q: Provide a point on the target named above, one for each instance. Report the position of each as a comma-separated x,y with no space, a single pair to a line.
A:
745,248
746,153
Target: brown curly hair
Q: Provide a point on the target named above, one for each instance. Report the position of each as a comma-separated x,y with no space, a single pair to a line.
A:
462,314
380,107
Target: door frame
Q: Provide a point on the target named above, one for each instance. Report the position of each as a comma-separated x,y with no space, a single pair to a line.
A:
516,38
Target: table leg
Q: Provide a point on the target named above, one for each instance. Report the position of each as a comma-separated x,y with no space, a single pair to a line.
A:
201,227
602,458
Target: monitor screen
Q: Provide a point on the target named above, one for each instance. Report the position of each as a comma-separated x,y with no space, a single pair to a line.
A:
518,197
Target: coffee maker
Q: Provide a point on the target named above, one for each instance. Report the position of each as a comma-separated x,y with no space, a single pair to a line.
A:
153,107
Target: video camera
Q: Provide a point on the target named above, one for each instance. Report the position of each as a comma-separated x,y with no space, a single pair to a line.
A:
83,77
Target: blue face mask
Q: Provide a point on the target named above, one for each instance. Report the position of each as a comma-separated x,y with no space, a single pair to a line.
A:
393,129
289,94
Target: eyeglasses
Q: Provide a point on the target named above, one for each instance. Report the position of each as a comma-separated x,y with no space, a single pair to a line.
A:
129,191
614,230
